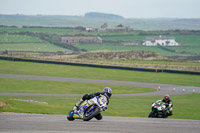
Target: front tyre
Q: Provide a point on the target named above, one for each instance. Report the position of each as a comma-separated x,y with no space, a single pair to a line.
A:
151,115
90,113
70,115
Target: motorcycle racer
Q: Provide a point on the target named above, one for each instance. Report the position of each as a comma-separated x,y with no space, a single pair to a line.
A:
107,92
168,103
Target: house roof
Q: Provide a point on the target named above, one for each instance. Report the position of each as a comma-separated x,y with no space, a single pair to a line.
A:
79,28
159,38
120,25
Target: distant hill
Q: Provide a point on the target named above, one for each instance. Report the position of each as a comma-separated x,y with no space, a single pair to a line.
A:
102,15
97,19
188,21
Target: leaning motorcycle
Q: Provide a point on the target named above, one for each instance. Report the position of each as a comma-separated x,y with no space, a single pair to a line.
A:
89,109
159,110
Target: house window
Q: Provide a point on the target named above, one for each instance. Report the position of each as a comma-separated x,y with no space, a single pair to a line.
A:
167,42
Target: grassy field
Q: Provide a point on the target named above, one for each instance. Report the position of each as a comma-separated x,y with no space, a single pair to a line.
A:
127,38
191,42
59,31
13,42
185,106
10,38
35,47
55,87
62,31
11,67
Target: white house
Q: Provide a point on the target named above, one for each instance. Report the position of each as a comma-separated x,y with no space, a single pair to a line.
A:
160,40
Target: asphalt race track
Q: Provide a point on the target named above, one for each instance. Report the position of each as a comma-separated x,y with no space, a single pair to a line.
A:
38,123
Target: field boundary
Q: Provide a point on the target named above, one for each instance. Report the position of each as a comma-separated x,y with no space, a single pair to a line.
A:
100,66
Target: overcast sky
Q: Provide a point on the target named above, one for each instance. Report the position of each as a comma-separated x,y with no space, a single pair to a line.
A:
125,8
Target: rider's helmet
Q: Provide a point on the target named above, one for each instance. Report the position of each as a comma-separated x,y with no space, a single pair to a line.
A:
166,98
107,92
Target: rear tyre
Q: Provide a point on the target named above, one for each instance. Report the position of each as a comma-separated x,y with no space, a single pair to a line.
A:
70,115
165,115
90,113
99,116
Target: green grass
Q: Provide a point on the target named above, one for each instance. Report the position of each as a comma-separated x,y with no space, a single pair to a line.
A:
190,49
185,106
9,38
188,40
128,38
191,42
27,68
59,31
56,105
56,87
39,47
12,42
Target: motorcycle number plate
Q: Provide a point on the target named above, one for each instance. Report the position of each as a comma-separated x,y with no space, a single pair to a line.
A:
103,101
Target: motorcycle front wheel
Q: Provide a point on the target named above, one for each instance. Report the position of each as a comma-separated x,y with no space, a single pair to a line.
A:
90,113
151,115
70,116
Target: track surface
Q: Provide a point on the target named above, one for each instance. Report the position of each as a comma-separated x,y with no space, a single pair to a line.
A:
165,88
37,123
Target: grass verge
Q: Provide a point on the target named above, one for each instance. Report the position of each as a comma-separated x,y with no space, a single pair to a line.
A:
27,68
56,87
185,106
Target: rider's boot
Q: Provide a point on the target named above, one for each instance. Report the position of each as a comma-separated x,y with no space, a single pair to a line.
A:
77,105
170,113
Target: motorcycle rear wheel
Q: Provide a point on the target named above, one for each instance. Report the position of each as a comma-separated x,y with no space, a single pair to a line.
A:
90,113
165,115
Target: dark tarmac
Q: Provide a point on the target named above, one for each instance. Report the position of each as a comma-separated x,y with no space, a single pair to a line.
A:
39,123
